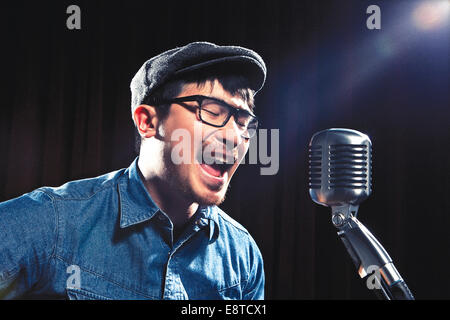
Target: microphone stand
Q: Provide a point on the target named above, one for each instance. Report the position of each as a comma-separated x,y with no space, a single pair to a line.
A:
369,255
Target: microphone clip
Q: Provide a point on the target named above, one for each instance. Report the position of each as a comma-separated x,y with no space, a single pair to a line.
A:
368,254
341,214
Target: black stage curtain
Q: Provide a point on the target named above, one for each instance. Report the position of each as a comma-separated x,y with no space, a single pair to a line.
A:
65,114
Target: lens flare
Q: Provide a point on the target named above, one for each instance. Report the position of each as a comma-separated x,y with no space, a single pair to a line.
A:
431,15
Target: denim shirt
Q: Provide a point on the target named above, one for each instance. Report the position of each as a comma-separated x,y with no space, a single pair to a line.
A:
105,238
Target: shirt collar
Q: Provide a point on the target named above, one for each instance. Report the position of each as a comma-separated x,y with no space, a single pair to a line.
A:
137,206
208,215
135,203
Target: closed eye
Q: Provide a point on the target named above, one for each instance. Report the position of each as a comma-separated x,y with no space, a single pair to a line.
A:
212,113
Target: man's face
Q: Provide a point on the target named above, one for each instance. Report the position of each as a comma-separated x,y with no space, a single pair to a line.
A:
202,179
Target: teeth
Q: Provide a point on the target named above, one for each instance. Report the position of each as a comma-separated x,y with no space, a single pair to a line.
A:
217,161
222,167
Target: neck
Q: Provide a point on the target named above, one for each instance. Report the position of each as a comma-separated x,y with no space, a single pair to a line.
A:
178,208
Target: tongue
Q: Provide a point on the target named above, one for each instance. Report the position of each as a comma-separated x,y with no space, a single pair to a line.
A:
212,170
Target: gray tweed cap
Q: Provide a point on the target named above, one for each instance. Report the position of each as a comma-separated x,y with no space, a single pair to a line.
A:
191,57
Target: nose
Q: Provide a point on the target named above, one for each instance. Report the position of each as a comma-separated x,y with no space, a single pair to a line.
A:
231,134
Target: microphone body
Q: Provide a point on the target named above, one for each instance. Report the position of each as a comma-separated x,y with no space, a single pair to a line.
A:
340,167
340,177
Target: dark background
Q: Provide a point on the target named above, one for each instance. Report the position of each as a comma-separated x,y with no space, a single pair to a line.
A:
65,114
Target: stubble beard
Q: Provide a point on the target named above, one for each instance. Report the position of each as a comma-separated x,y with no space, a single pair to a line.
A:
180,184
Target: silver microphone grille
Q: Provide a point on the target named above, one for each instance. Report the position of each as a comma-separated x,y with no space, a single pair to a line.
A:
340,167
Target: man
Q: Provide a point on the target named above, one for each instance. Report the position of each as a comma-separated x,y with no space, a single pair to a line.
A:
153,230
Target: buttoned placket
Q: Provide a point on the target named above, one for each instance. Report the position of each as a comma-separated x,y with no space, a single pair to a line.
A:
172,287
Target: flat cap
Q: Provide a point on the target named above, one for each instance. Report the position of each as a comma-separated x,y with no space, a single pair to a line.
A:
192,57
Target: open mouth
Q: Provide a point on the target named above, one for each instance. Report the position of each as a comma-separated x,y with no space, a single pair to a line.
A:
217,165
216,169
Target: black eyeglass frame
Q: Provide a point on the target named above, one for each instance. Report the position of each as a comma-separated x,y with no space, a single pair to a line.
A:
232,111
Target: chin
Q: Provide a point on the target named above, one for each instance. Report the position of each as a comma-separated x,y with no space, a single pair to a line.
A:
205,189
209,198
199,187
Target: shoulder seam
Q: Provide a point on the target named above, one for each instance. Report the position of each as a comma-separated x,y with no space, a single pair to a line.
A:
110,184
229,220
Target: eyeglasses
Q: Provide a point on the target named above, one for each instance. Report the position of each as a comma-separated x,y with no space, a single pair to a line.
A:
217,113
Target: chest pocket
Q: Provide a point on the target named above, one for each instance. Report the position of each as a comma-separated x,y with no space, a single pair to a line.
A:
95,286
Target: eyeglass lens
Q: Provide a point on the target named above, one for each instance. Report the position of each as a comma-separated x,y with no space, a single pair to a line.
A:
218,114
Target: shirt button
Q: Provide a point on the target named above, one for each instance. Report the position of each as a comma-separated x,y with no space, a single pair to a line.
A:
200,222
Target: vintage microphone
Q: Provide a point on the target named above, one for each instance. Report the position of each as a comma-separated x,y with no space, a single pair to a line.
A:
340,174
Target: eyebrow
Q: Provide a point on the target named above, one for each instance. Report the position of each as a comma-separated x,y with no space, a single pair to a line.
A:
250,109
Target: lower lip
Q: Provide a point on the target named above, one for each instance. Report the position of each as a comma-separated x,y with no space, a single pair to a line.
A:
212,180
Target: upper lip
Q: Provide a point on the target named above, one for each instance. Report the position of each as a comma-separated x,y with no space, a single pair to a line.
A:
220,158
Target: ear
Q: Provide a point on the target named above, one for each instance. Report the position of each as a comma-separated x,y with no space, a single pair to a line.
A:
146,120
